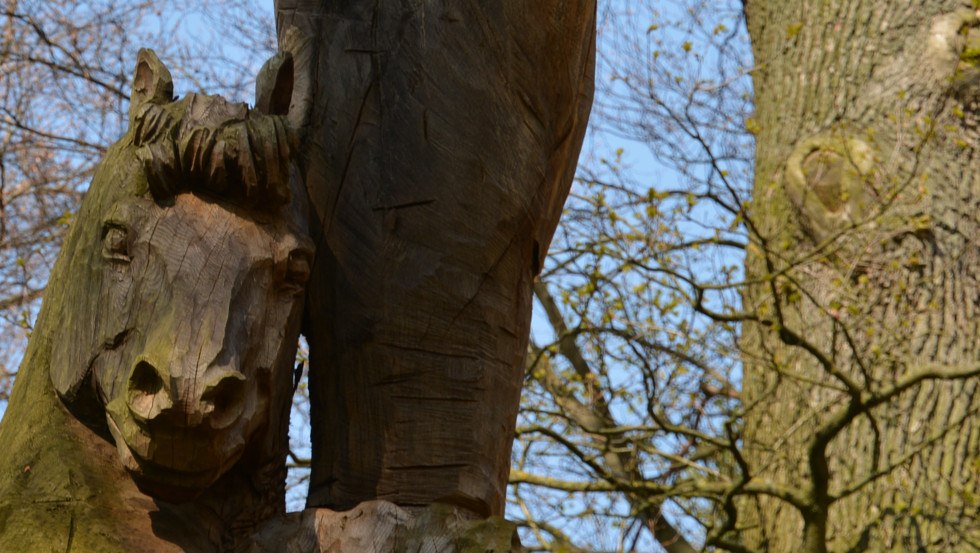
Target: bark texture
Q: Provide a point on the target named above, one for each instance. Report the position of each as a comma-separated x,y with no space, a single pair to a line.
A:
867,191
443,141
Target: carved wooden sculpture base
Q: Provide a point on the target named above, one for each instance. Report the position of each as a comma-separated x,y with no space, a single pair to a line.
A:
383,527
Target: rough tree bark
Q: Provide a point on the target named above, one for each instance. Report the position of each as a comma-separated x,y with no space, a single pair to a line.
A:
867,161
444,139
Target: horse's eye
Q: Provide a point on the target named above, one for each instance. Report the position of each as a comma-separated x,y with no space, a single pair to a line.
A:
115,243
297,271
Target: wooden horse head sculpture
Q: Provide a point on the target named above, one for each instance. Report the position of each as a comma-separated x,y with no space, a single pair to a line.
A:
193,265
169,327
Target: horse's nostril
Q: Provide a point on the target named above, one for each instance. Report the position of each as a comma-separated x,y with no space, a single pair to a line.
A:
145,379
145,385
226,399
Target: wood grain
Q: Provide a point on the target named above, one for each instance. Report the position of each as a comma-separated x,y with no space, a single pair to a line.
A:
443,140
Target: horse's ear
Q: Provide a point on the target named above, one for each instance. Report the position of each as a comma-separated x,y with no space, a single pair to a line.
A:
274,85
151,82
300,47
285,83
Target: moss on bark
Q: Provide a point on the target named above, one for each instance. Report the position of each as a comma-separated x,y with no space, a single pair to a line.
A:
901,296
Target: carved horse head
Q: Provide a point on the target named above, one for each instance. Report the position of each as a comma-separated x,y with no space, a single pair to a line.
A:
185,277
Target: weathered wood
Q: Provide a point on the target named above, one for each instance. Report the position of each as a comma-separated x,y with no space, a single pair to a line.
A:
169,327
443,140
383,527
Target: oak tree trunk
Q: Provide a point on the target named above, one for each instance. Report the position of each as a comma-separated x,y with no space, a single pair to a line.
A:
866,196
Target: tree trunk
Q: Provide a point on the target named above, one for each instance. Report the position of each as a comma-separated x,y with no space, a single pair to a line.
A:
444,138
866,194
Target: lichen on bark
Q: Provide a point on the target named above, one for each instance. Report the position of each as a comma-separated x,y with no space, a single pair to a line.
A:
902,295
